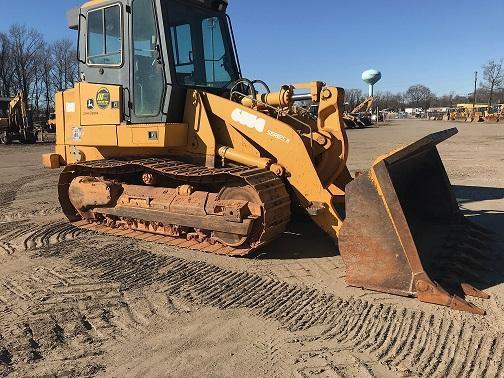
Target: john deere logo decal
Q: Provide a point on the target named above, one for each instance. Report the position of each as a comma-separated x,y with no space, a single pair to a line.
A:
103,98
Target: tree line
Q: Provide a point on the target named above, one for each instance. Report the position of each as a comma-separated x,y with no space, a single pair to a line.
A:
29,63
490,91
40,68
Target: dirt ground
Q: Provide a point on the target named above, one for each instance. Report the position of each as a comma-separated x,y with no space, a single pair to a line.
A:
75,303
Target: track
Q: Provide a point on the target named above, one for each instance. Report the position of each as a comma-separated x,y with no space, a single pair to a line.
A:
21,236
269,189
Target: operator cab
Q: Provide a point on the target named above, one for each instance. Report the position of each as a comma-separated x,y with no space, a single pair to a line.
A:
156,50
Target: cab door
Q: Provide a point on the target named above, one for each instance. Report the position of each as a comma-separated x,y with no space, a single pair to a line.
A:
147,66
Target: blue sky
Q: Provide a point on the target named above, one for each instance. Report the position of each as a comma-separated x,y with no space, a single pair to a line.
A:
439,43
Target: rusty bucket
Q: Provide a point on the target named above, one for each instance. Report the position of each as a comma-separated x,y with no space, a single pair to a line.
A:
404,233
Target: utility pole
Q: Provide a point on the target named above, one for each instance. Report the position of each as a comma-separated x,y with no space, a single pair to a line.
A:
475,86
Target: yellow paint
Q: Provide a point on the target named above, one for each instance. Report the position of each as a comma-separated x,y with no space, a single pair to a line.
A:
95,109
93,3
51,161
103,135
60,118
87,132
471,106
152,135
290,149
201,144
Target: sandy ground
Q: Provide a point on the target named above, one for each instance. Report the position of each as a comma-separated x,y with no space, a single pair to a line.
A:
76,303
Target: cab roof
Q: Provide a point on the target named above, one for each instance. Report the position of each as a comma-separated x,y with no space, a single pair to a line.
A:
73,14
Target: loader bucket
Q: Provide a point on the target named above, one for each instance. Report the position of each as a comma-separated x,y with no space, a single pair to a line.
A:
404,233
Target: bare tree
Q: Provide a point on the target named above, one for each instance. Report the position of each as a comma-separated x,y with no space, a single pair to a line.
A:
419,96
388,100
28,63
493,76
353,97
37,87
25,45
6,66
46,67
65,71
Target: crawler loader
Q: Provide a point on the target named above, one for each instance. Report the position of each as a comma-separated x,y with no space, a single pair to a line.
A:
14,122
164,140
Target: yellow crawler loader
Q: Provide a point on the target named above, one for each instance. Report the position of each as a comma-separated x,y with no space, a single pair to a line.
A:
164,140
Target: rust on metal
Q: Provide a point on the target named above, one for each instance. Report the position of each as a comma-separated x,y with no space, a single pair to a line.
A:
248,208
399,215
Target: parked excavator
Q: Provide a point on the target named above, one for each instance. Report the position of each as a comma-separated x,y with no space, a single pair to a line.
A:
164,140
359,117
14,122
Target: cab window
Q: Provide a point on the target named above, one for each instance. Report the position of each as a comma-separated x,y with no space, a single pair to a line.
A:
201,48
217,69
104,44
148,73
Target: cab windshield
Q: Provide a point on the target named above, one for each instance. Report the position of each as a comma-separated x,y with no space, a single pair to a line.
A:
202,52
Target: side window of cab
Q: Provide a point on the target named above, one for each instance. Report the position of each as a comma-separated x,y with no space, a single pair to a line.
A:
104,39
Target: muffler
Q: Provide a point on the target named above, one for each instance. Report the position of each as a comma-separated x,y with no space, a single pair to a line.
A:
403,229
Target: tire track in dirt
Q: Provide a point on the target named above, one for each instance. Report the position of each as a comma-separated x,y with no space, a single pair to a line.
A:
275,358
8,192
58,319
9,232
333,363
403,339
388,333
52,234
25,236
17,215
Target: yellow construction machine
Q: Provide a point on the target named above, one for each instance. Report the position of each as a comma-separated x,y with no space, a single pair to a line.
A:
458,114
359,117
494,114
469,113
164,140
14,122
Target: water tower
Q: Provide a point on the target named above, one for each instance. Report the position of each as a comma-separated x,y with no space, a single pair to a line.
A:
371,77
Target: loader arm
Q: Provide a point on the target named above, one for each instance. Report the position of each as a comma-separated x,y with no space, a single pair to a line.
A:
364,105
319,182
16,125
18,114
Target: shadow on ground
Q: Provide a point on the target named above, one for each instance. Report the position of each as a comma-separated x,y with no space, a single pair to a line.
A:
492,219
303,239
